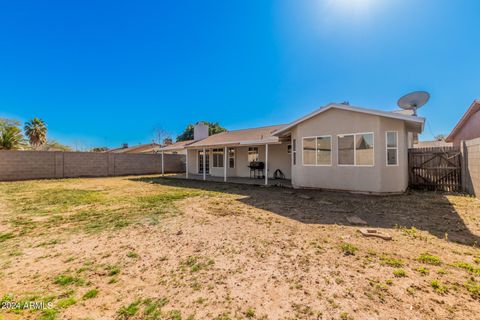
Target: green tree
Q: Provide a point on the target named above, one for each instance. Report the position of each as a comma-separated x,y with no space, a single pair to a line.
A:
52,145
213,128
11,137
36,131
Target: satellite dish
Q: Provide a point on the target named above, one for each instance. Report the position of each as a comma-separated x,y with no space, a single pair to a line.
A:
413,101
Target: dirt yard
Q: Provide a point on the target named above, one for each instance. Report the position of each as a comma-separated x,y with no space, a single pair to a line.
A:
153,248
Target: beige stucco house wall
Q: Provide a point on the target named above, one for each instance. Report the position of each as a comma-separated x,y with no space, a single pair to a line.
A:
376,178
278,158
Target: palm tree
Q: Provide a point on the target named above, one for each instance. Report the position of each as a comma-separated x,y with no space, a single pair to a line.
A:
11,138
36,131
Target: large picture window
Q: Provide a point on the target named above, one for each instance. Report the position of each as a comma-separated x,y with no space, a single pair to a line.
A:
218,158
317,151
253,154
392,148
346,150
356,149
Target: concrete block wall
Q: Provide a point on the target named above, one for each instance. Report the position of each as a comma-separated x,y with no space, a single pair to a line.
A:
25,165
471,154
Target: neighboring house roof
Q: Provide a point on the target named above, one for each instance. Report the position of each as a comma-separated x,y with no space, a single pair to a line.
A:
474,107
245,136
142,148
432,144
177,145
416,122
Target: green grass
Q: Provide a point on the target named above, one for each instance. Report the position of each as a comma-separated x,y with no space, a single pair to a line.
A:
132,255
473,288
195,264
65,280
48,314
250,313
423,271
129,311
469,267
174,315
84,209
399,273
112,270
348,249
6,236
90,294
429,259
392,262
67,302
438,287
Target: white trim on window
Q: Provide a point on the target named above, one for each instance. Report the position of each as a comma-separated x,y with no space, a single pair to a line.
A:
316,151
355,150
391,148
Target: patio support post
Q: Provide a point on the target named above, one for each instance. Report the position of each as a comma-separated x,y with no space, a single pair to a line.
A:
225,164
266,164
204,161
163,170
186,165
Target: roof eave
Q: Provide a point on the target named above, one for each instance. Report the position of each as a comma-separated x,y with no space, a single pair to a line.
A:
329,106
462,121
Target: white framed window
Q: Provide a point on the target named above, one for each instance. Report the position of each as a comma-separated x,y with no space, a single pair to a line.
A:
231,157
317,151
391,139
294,150
356,149
253,154
289,148
217,158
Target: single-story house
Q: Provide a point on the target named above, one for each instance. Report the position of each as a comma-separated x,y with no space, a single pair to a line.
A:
141,148
468,127
337,146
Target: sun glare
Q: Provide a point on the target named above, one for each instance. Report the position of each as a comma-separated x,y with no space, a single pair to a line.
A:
358,8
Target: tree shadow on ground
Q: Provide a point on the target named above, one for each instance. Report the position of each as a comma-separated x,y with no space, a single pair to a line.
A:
428,211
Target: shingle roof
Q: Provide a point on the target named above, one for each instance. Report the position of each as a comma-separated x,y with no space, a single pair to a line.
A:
471,110
177,145
244,136
141,148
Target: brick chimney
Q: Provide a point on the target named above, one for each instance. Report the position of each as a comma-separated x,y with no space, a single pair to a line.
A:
200,131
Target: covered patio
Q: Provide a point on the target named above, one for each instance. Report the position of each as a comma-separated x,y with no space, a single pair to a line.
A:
286,183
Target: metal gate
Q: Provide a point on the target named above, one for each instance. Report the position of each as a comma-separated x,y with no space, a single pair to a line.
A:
438,168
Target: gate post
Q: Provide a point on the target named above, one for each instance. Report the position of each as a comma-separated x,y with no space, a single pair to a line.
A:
463,164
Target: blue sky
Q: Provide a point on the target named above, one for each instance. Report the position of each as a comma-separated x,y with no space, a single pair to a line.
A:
106,72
